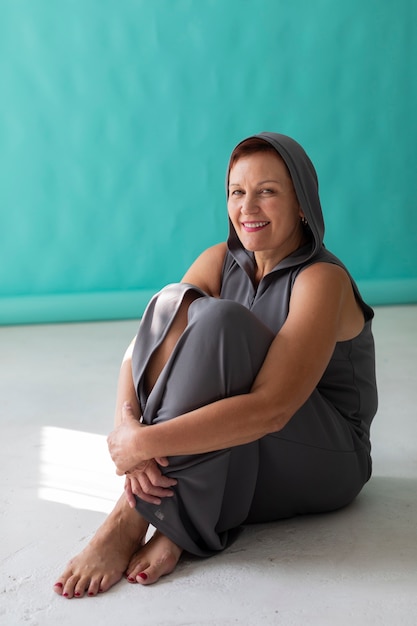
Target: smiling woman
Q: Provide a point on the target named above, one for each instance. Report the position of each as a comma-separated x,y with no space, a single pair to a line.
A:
263,206
248,394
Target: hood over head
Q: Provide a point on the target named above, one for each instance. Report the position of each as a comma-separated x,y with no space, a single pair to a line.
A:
304,178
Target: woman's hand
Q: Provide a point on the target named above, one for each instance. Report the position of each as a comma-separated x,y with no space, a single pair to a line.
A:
148,483
124,442
143,477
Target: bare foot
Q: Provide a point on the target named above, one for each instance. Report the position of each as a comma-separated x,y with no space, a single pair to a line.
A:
105,559
156,558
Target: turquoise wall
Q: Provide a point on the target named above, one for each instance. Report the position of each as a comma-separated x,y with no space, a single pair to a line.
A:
117,120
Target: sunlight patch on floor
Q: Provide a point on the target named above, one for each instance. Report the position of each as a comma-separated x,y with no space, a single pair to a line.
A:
76,470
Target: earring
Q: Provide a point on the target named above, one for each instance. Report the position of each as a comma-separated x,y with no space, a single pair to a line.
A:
304,220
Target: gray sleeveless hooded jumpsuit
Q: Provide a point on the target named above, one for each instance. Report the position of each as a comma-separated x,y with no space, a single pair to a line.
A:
321,459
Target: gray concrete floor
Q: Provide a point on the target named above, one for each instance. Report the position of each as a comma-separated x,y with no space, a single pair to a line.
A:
355,566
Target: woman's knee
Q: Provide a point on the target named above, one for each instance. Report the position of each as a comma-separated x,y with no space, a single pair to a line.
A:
215,313
220,313
229,320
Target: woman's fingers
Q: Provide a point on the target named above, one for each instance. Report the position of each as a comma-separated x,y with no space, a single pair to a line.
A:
143,489
135,489
156,477
150,488
148,483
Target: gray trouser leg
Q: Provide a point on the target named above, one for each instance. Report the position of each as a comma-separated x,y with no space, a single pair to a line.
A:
218,355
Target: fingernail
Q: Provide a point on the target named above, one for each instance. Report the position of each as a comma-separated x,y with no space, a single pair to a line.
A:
143,576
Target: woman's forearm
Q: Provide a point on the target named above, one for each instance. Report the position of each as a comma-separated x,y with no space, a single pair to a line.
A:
226,423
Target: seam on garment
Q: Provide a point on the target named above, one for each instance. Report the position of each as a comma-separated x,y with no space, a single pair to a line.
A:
354,380
355,450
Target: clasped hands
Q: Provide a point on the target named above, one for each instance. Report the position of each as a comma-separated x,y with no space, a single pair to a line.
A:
143,477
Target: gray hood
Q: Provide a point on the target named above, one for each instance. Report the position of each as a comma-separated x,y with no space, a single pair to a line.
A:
305,183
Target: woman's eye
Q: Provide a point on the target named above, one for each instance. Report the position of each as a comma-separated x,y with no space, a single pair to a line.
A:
266,191
237,192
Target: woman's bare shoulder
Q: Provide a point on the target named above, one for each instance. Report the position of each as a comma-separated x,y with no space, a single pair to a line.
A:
329,288
206,271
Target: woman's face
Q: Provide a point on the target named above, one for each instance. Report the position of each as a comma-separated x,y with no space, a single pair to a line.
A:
263,207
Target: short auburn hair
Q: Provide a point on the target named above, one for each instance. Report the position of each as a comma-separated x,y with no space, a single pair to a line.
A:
252,145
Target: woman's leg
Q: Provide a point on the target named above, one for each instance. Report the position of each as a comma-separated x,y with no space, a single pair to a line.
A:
105,559
107,556
218,354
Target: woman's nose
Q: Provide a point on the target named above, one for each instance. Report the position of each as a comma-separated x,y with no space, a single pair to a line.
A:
249,205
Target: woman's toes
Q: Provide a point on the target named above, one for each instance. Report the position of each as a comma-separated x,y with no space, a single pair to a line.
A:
61,583
81,587
69,587
104,584
155,559
131,579
93,588
58,587
154,572
135,566
133,574
143,578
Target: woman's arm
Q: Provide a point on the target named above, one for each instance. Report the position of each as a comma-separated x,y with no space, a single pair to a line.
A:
206,271
322,311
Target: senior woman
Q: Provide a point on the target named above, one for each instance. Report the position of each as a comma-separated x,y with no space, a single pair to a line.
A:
249,391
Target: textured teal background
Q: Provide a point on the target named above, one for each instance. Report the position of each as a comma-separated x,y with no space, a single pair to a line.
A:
117,120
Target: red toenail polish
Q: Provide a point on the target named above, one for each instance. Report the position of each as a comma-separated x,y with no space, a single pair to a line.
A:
90,594
131,579
143,576
77,595
58,585
65,595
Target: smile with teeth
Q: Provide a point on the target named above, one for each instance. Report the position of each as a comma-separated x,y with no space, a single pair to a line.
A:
254,225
